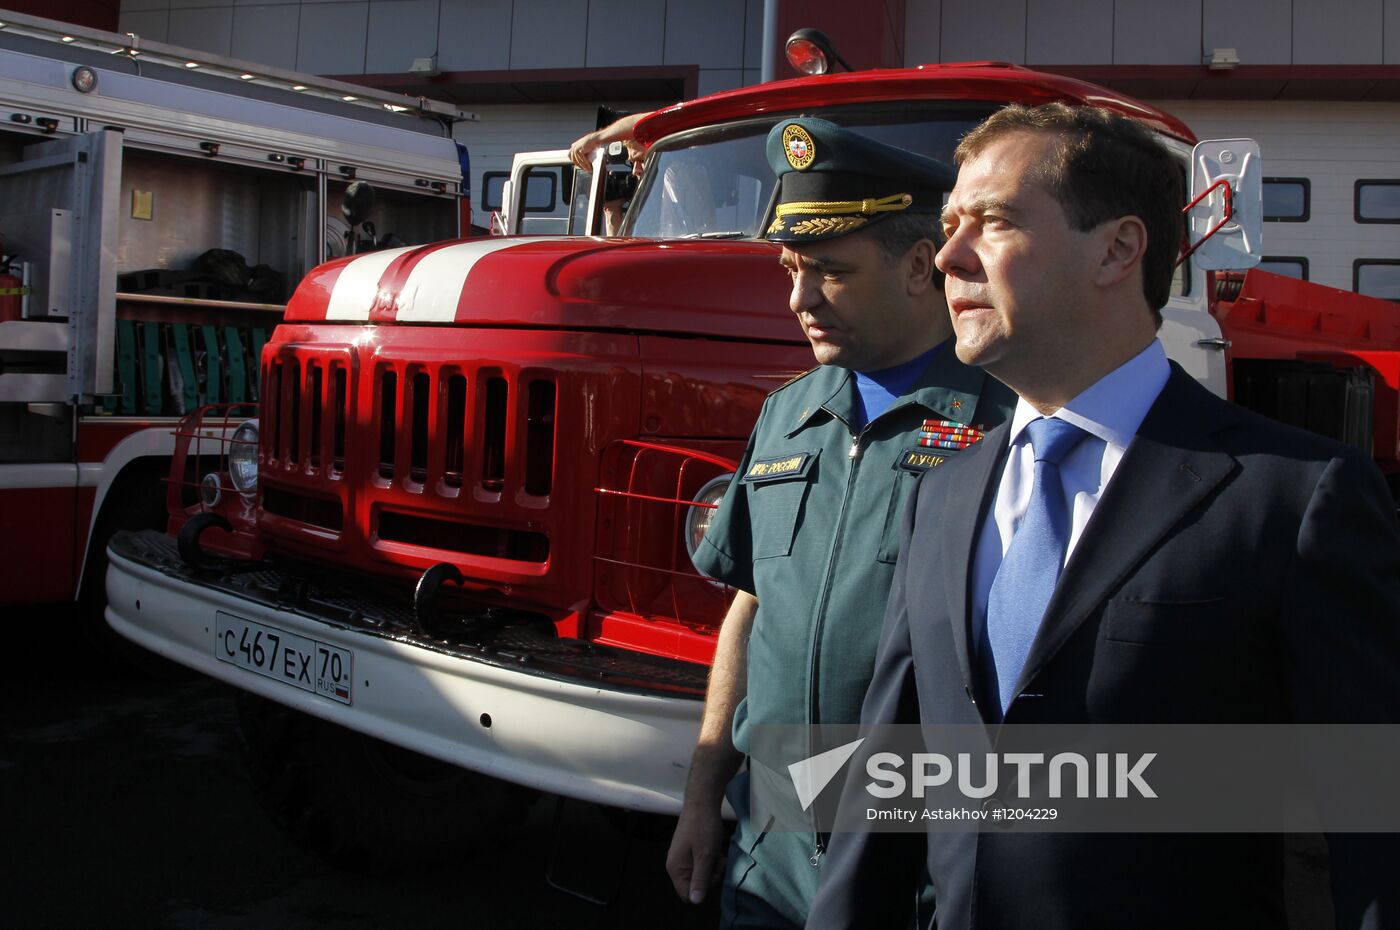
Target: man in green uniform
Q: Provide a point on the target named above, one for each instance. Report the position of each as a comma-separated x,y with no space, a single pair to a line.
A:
808,531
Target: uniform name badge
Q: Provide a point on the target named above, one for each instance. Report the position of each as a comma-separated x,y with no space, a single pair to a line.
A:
792,465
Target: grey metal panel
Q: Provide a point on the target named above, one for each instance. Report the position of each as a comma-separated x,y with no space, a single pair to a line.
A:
990,29
625,32
753,76
1150,32
474,35
130,6
266,34
753,36
713,80
704,33
163,112
276,90
70,186
266,2
33,336
1337,32
922,31
200,205
1392,32
548,33
195,4
414,218
33,388
400,31
148,24
92,334
1261,31
209,29
42,237
1069,32
331,39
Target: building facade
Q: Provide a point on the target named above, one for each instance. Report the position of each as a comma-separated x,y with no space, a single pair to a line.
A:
1316,82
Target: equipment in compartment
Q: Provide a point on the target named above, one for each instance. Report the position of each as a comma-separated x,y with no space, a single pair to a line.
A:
216,274
169,369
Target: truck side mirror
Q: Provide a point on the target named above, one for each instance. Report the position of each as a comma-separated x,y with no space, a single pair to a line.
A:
1226,214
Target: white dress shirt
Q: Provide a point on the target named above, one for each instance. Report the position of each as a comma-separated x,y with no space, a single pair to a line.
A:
1110,411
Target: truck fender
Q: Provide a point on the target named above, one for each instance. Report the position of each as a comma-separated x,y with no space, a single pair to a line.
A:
155,443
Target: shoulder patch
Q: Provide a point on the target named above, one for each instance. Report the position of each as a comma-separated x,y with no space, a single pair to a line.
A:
795,378
793,465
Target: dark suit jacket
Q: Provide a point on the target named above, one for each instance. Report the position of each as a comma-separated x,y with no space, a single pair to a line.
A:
1235,571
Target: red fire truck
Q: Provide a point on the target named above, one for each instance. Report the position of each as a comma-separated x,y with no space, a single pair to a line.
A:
461,519
156,207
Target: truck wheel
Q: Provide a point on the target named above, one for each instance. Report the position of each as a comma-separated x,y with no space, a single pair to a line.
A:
136,501
362,804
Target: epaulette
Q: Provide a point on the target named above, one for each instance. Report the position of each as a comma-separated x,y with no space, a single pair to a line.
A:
795,379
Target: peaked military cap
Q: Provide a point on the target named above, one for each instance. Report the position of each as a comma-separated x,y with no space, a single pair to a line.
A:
833,181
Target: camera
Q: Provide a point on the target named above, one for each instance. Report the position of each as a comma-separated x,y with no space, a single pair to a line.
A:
619,185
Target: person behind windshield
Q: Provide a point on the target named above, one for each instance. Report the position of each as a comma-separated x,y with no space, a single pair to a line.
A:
581,154
620,130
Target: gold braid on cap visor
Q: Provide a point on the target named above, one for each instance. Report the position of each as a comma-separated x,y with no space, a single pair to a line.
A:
839,207
832,217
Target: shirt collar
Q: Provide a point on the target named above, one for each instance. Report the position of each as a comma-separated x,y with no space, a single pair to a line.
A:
1113,407
947,387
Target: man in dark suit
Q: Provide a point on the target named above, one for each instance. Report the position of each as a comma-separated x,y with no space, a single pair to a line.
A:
1128,549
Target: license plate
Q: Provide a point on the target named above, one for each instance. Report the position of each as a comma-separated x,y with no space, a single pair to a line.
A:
313,666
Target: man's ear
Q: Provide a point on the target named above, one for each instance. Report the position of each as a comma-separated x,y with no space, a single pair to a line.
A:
1124,242
920,269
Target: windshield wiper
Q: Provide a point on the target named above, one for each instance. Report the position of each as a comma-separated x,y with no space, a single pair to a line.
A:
727,234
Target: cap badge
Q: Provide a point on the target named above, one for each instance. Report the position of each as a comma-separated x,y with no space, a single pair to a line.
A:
798,146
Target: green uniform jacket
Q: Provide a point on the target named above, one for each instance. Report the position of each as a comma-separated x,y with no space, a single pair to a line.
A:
810,525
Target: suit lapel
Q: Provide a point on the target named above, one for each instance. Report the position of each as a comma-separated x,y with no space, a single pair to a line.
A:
1168,470
964,510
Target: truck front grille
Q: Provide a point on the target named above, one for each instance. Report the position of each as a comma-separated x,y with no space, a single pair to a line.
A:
313,511
421,445
425,422
298,407
469,538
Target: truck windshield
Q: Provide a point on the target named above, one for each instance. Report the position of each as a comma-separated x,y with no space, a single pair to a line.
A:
715,182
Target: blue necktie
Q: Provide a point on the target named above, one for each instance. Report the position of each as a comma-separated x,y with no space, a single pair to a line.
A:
1026,578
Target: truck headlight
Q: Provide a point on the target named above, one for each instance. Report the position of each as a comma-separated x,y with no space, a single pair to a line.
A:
243,458
697,519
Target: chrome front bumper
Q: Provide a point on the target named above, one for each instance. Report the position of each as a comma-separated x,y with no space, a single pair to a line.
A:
560,716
